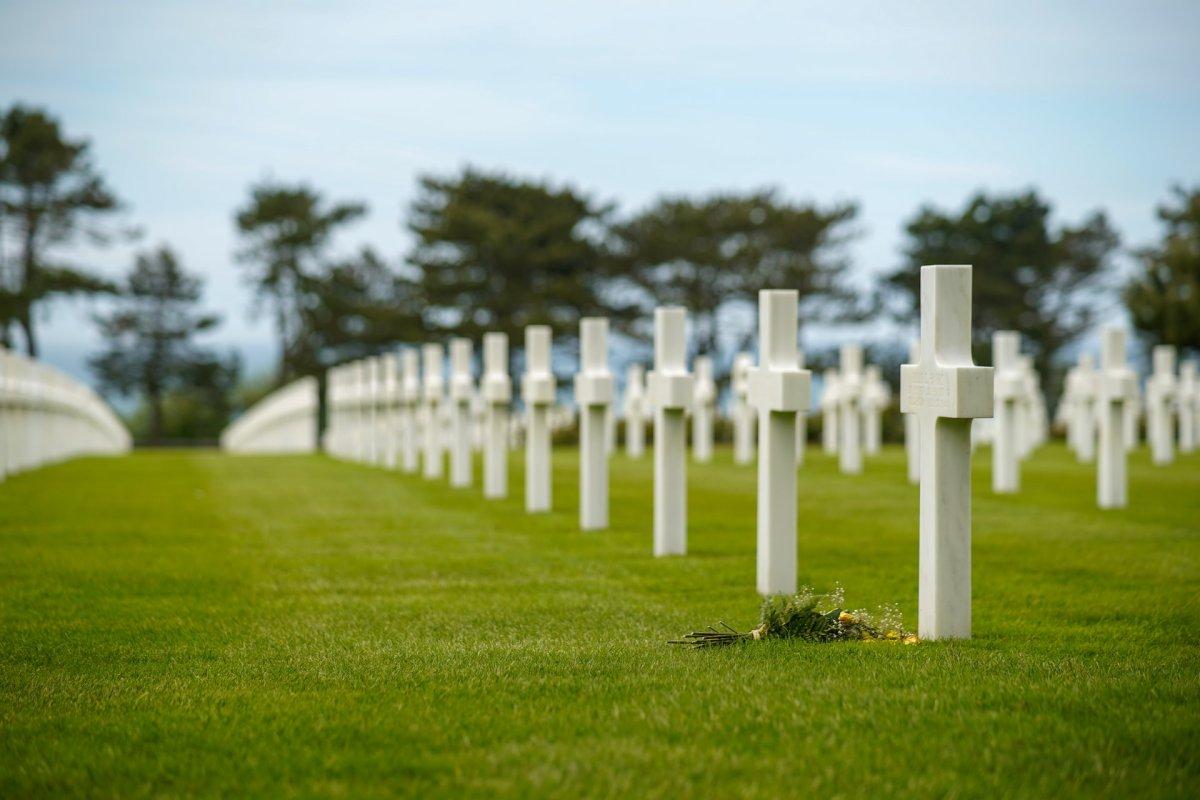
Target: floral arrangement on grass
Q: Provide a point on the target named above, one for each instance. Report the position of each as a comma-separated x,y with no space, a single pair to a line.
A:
810,617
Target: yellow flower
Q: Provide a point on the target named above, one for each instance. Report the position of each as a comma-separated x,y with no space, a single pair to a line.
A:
892,635
846,618
911,639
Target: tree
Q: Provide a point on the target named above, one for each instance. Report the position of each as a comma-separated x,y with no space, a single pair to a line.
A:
497,253
1043,283
355,307
1164,300
49,192
149,348
711,253
196,410
285,230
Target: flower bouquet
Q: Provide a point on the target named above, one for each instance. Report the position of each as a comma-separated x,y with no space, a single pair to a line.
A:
810,617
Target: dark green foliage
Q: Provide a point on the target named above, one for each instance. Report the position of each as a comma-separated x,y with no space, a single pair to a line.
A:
1028,277
1164,299
150,350
497,253
285,230
354,307
49,192
710,253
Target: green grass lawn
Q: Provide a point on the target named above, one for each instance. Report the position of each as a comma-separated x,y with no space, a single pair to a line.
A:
191,624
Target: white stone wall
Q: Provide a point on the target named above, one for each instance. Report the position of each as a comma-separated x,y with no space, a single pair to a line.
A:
284,421
47,416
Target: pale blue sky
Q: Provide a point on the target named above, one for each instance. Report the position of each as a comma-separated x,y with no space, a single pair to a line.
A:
892,104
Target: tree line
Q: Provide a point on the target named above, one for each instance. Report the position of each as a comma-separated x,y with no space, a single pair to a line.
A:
494,251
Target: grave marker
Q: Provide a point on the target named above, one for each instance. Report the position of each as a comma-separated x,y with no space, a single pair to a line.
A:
1160,401
1009,390
830,403
850,459
1116,387
537,393
593,395
635,411
1189,400
671,392
875,399
432,388
779,390
702,410
462,388
743,414
497,394
947,390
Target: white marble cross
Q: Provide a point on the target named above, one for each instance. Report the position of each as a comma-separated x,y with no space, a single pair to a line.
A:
593,395
947,391
462,390
410,397
1116,386
1160,402
496,388
743,414
875,399
1186,406
1009,390
537,393
1084,395
432,388
829,411
850,384
702,410
779,391
671,393
635,411
912,425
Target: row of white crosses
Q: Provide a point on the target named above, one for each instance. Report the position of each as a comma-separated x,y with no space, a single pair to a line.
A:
1099,409
285,421
853,401
401,412
1172,405
46,416
1079,412
943,389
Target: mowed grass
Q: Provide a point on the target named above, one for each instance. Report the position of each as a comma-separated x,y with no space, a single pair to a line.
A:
192,624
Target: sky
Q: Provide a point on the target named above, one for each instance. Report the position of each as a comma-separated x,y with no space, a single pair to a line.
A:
893,105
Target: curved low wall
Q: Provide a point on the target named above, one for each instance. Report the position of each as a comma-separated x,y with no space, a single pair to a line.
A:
284,421
47,416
